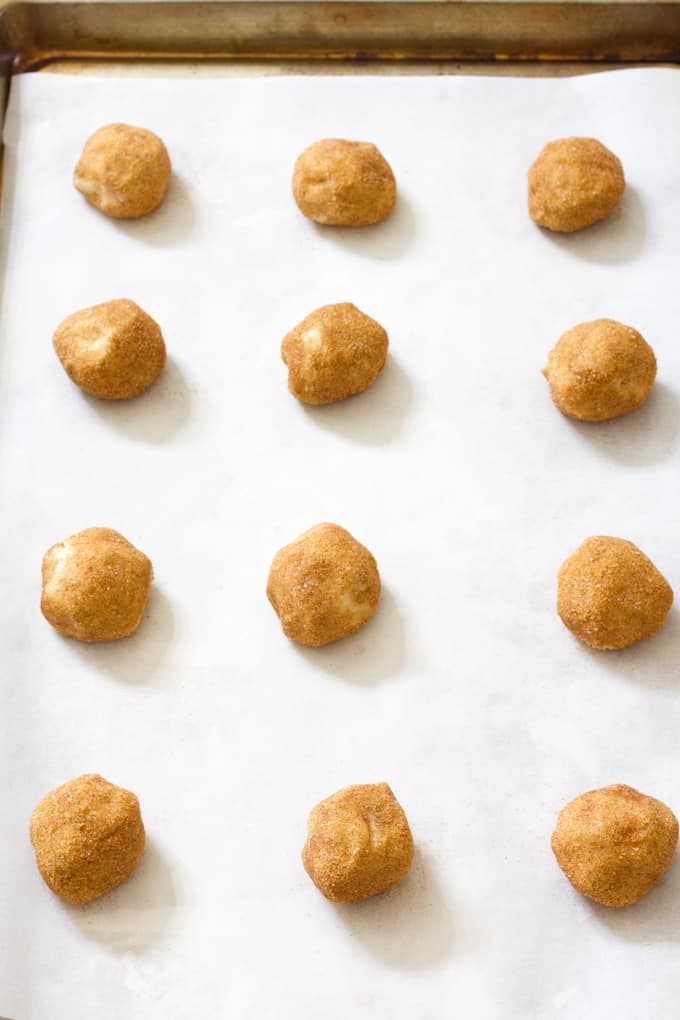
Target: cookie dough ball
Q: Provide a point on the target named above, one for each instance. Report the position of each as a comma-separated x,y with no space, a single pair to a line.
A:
610,595
323,586
88,837
335,352
124,171
113,350
346,184
573,183
358,844
600,370
95,585
614,844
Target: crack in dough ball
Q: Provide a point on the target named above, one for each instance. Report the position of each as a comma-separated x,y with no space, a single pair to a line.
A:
614,844
359,843
610,595
88,838
345,184
113,351
95,585
334,353
573,183
600,370
324,586
124,171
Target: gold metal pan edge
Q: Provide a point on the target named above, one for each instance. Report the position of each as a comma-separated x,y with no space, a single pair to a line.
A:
32,35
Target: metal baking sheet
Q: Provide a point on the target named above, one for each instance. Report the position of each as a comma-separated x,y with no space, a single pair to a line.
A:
38,33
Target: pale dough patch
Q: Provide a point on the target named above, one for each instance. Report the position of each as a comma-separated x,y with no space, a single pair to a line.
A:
61,554
312,338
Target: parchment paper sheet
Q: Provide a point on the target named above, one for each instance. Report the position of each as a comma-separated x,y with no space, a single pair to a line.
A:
465,692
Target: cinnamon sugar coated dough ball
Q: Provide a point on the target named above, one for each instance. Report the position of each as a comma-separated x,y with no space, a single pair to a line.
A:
614,844
335,352
573,183
95,585
600,370
124,171
359,843
114,350
323,586
88,837
344,184
610,595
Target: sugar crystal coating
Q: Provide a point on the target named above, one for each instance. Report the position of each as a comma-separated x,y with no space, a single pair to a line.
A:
88,837
323,586
95,585
343,183
615,843
359,843
114,350
600,370
610,595
335,352
124,171
573,183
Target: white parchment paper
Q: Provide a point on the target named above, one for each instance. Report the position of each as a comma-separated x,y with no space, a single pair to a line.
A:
465,692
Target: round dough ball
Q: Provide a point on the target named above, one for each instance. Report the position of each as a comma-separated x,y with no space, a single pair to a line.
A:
610,595
323,586
124,171
95,585
88,837
359,843
614,844
600,370
346,184
113,350
574,182
335,352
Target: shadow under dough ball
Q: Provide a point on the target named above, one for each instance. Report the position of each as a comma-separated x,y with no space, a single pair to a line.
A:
88,837
95,585
344,184
610,595
359,843
124,171
614,844
323,586
573,183
114,351
334,353
600,370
